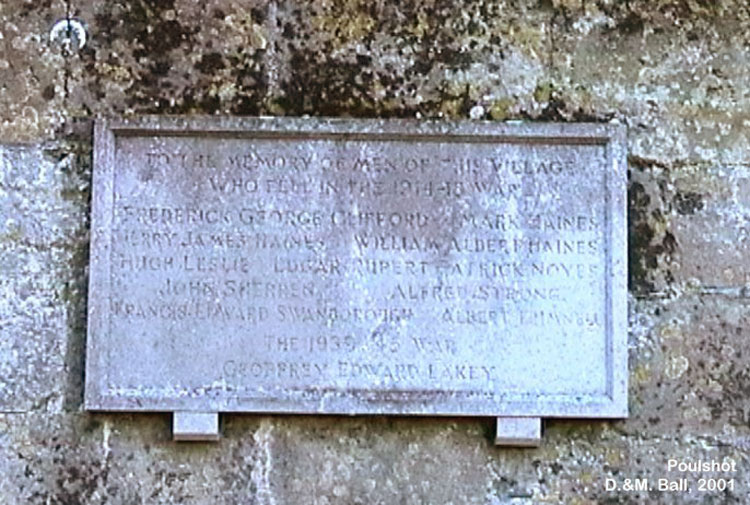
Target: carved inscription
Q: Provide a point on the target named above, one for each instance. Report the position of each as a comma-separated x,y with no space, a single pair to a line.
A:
319,266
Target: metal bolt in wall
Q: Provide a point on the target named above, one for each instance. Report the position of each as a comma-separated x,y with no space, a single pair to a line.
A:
69,34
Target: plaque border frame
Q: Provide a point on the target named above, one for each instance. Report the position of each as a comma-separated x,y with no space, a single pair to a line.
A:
612,137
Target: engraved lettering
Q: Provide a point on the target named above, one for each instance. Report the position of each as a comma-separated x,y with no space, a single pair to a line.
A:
404,267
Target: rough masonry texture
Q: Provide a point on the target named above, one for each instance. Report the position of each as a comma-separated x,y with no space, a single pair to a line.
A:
675,72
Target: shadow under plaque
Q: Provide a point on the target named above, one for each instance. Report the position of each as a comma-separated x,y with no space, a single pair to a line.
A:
332,266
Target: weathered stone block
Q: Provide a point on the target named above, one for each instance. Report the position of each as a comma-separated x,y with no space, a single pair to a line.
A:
41,230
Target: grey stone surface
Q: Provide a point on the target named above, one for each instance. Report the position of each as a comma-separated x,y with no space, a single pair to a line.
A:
39,217
328,266
518,431
195,426
676,72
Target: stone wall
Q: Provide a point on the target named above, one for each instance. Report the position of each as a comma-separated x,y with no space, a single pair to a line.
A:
676,72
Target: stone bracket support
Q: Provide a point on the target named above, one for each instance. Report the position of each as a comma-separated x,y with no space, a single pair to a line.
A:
518,431
196,426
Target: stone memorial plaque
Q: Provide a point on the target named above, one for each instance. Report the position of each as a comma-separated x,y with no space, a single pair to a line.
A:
358,267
